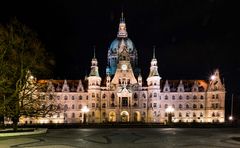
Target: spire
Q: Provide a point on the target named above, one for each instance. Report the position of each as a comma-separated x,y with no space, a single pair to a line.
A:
154,52
122,31
94,67
94,52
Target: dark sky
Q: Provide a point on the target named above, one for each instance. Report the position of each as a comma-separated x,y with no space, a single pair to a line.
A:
192,37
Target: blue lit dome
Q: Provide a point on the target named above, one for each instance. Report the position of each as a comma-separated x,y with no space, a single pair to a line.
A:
115,44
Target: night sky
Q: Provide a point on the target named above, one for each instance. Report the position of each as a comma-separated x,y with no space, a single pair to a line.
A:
192,38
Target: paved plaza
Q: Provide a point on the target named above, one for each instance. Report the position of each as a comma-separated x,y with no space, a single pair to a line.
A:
129,138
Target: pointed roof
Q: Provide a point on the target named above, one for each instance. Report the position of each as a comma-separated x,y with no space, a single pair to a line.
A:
122,31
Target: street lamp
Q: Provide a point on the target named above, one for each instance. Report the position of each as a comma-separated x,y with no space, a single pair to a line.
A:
85,110
231,116
169,110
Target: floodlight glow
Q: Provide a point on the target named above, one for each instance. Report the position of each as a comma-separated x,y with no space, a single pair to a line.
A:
85,109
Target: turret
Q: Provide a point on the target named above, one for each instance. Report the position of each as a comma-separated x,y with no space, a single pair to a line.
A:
153,79
215,83
94,80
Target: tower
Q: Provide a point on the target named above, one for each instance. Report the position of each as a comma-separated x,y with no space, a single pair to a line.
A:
113,51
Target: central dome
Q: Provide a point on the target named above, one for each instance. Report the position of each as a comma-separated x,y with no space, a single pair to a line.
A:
115,45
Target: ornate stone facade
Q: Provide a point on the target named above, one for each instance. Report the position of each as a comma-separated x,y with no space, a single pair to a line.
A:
121,96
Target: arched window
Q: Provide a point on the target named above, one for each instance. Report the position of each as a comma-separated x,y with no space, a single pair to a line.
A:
166,97
201,106
93,113
213,96
73,115
112,96
173,97
65,97
104,96
155,94
187,97
201,114
144,105
73,98
73,106
104,105
93,95
213,114
80,106
135,96
65,107
194,97
80,97
180,114
180,106
112,105
166,106
201,97
180,97
187,106
135,105
143,95
194,106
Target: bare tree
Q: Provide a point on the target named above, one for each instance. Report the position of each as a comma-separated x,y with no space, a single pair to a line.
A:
20,52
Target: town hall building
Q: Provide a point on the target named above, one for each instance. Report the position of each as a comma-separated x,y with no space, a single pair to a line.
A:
120,95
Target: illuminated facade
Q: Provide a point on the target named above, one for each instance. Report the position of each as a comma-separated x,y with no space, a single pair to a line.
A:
121,97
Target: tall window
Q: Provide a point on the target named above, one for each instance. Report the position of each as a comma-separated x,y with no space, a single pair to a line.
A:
104,105
124,101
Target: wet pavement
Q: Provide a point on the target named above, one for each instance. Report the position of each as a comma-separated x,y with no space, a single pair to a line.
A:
129,138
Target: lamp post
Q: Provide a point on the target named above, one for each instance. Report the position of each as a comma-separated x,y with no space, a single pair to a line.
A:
85,110
231,116
169,110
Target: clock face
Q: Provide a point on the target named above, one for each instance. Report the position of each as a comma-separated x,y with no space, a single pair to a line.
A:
124,67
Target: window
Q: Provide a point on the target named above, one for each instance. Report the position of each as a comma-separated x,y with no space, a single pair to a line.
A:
73,106
201,97
154,104
86,97
73,115
144,105
65,107
80,97
93,95
80,106
166,97
104,105
155,94
112,96
124,101
201,114
143,95
135,96
194,114
216,96
218,115
213,114
187,106
112,105
194,106
180,114
58,97
201,106
150,95
187,114
80,115
93,114
216,105
213,96
103,96
187,97
180,97
166,114
72,97
180,106
65,97
173,97
135,105
93,105
194,97
155,113
166,106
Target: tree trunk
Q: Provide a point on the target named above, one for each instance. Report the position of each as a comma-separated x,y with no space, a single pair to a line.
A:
15,123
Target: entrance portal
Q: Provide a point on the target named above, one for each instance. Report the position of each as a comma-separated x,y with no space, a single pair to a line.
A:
137,116
124,116
112,116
